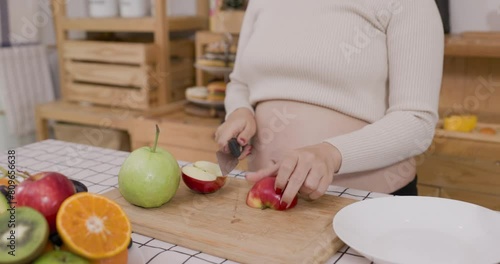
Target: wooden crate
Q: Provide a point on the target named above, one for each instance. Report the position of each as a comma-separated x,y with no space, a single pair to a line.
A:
124,74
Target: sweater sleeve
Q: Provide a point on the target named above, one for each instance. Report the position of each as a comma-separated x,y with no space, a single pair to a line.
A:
415,43
237,92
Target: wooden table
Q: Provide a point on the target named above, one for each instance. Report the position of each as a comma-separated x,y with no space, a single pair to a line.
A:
98,168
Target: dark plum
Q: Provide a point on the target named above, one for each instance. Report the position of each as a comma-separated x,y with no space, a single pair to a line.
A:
55,239
130,244
79,187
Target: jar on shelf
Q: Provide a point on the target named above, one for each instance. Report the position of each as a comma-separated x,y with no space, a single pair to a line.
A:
135,8
103,8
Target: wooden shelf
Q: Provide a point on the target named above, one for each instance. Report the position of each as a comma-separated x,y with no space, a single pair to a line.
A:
146,24
473,45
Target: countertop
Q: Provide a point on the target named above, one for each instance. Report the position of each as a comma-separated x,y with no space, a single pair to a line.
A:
98,168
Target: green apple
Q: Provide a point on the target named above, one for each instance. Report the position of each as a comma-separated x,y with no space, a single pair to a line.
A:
149,177
60,257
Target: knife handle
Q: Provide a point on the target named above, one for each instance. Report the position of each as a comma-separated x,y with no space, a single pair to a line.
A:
234,147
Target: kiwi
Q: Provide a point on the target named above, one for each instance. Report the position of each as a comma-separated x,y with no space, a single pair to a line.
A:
4,204
25,241
60,257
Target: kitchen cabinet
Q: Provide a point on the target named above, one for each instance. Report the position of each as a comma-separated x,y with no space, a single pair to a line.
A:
462,165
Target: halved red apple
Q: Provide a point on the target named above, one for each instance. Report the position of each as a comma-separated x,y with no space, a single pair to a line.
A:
262,195
203,177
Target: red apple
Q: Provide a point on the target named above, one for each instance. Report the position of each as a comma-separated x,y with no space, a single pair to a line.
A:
203,177
44,192
262,196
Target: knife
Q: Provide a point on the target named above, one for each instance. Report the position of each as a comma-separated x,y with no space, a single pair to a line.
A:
229,161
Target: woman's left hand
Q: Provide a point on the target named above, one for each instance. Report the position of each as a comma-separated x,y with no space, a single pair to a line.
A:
308,171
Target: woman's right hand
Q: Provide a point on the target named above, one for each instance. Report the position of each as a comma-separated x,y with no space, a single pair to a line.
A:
241,125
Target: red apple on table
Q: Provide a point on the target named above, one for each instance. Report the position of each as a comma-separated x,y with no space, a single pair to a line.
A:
262,195
44,192
203,177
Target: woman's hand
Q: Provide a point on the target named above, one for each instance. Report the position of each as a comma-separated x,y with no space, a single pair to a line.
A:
308,171
241,125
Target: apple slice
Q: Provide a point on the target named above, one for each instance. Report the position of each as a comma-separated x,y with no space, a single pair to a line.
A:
203,177
209,167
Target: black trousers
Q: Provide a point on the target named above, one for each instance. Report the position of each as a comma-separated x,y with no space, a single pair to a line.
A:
409,190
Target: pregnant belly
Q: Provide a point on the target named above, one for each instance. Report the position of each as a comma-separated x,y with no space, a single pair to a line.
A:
288,125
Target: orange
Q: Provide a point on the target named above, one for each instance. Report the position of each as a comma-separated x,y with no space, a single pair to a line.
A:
5,181
121,258
93,226
488,131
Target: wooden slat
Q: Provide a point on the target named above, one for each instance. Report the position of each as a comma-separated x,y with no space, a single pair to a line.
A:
495,35
462,148
460,173
164,110
109,24
122,75
472,47
485,200
183,23
59,10
162,41
103,95
113,52
176,23
87,114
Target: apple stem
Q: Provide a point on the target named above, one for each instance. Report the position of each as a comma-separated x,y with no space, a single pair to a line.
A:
156,138
23,174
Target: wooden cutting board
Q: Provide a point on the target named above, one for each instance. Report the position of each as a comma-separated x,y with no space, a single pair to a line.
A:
223,225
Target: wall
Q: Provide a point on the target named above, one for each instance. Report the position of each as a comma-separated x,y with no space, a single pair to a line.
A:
474,15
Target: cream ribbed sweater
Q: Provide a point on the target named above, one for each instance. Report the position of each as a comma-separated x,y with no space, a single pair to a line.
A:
376,60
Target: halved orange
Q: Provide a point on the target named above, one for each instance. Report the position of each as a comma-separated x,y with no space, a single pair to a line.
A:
121,258
93,226
6,181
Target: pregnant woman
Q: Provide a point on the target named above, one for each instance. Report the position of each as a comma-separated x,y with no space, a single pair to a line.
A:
341,92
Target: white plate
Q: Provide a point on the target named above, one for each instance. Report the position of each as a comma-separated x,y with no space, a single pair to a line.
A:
412,229
135,255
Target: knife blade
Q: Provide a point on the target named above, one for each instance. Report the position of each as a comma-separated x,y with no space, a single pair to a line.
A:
229,161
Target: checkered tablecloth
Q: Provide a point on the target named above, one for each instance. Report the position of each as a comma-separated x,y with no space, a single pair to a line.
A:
98,169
